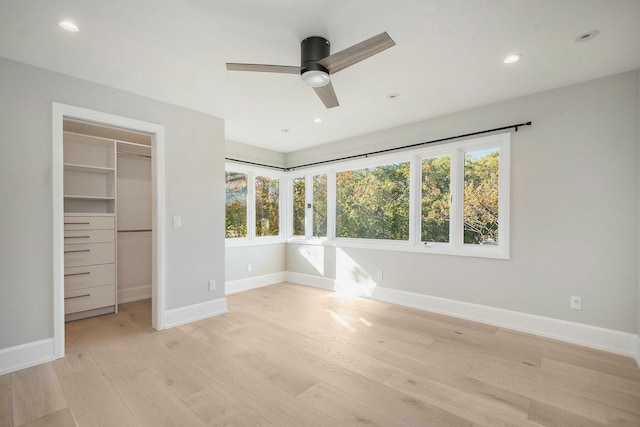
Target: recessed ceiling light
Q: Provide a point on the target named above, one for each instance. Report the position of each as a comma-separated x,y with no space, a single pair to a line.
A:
317,120
587,36
67,25
393,96
514,57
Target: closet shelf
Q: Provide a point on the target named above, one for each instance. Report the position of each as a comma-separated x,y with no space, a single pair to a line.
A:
86,197
89,169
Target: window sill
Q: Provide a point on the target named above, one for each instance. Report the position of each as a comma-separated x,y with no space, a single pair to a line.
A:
260,241
477,251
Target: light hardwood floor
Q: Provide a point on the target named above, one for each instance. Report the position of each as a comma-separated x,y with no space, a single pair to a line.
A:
289,355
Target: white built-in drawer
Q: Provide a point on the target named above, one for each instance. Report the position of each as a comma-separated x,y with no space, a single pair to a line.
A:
89,223
89,254
89,276
89,298
73,237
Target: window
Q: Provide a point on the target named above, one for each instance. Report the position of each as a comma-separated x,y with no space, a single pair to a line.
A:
319,205
447,199
235,204
481,196
253,205
373,203
267,206
436,200
299,204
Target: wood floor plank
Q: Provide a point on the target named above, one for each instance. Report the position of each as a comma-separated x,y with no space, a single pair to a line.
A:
235,375
214,338
404,408
139,312
590,376
61,418
110,350
77,358
152,403
175,373
36,392
478,409
6,406
288,355
94,401
220,406
468,324
599,404
344,408
286,377
552,416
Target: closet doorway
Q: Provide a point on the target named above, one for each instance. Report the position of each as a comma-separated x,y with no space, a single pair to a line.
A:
108,191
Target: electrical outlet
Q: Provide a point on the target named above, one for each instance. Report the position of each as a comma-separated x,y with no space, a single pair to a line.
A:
249,267
576,303
212,285
177,221
379,274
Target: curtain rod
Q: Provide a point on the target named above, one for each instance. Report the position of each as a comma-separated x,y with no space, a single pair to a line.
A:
387,150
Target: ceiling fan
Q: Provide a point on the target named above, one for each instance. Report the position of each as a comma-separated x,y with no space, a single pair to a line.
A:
317,65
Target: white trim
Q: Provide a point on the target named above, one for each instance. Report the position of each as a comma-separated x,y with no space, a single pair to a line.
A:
192,313
624,343
311,280
134,294
241,285
59,112
26,355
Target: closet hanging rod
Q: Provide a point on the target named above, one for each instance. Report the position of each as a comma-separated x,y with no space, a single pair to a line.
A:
134,231
131,153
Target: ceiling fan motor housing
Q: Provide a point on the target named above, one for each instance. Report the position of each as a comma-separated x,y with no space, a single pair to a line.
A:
313,49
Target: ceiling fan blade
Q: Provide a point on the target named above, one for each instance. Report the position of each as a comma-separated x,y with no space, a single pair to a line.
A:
356,53
263,68
327,95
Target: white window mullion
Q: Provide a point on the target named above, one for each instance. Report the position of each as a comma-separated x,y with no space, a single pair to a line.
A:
331,204
308,201
456,227
284,194
415,201
251,206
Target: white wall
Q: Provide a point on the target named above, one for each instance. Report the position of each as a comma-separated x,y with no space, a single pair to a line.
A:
574,209
250,153
195,191
264,260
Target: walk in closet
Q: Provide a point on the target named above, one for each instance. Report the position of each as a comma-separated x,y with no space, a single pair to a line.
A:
107,218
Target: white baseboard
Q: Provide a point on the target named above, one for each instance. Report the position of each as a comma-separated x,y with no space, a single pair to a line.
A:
26,355
590,336
240,285
310,280
134,294
191,313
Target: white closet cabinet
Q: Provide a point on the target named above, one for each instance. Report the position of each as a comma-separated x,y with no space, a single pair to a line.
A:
91,223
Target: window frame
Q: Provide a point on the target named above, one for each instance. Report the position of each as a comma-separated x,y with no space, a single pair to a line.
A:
455,246
283,217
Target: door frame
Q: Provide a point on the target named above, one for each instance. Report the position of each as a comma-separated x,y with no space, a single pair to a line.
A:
158,251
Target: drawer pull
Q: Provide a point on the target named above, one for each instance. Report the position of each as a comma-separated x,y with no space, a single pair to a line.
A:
77,274
82,223
78,296
78,250
77,237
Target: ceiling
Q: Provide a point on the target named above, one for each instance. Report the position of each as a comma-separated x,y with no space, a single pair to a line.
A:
448,55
